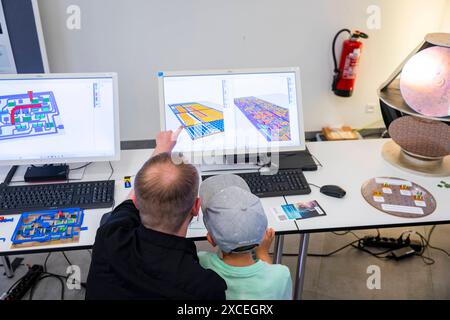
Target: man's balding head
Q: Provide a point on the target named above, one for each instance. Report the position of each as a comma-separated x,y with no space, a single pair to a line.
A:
165,193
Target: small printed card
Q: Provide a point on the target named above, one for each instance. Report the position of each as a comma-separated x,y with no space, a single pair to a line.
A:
298,211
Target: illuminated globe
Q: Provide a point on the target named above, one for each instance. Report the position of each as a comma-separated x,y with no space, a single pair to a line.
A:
425,82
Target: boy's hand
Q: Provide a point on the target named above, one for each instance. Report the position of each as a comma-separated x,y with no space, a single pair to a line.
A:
262,251
166,141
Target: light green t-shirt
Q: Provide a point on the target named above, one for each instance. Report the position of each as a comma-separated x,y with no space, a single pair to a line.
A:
260,281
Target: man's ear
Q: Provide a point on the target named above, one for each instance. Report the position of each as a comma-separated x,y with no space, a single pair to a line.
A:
210,240
196,208
132,197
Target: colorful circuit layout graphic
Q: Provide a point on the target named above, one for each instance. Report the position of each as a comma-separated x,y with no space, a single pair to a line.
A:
29,114
48,228
269,119
198,120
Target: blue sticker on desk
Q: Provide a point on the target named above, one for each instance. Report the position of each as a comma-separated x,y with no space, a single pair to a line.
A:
4,220
127,182
160,74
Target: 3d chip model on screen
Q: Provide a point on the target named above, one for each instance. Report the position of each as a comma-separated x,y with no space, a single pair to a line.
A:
269,119
198,120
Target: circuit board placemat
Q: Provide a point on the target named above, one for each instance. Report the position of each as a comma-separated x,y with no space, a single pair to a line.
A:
48,227
398,197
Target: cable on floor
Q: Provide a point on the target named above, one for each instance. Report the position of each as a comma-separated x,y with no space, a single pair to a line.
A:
384,255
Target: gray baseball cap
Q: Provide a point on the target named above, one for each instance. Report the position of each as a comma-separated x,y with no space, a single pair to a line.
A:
233,216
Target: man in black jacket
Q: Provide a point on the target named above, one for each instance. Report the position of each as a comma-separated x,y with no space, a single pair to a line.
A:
143,253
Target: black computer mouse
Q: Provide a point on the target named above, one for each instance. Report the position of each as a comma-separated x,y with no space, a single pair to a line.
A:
333,191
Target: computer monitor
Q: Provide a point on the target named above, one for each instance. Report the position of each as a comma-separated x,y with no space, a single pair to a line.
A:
58,118
235,111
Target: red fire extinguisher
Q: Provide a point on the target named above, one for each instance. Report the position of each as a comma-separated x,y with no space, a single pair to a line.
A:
345,75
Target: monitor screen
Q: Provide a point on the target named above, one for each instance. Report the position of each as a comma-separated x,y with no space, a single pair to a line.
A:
57,119
236,111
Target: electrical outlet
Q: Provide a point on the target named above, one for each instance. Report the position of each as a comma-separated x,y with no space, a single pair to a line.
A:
370,108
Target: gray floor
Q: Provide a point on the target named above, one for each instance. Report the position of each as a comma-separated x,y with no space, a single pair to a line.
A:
342,276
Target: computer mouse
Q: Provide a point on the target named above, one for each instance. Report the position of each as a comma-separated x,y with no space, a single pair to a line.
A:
333,191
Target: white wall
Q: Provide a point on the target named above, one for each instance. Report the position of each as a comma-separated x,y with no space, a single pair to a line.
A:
446,18
137,38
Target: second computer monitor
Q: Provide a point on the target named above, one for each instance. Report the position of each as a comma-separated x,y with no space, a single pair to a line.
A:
235,111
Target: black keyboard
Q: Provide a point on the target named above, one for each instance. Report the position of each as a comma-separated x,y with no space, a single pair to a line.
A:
283,183
84,195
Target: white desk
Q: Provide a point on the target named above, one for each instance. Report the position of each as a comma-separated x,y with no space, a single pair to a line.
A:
130,163
347,164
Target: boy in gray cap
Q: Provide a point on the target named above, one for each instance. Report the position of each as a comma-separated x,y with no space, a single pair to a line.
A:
237,224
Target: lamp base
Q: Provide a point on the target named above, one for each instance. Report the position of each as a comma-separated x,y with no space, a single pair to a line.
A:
435,167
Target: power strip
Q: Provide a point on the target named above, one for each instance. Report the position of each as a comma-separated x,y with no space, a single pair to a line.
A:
391,243
25,283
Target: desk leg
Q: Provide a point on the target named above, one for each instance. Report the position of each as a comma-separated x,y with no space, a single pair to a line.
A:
278,249
301,266
7,265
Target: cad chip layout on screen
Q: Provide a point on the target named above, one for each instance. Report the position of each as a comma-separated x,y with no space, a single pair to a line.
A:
239,110
52,118
29,114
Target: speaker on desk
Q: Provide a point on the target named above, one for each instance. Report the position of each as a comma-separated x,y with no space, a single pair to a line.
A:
415,104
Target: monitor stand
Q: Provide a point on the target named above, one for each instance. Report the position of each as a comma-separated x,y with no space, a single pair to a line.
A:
297,160
286,160
47,173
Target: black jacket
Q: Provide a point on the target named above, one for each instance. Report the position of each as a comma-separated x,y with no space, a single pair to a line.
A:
132,262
